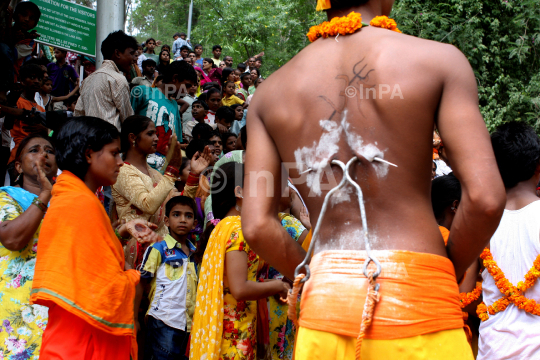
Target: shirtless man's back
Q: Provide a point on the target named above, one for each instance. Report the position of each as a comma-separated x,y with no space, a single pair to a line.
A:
382,93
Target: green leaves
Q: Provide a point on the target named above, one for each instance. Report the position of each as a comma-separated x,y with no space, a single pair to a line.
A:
501,40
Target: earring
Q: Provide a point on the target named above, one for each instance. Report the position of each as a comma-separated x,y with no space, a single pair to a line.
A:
453,208
238,208
18,178
134,143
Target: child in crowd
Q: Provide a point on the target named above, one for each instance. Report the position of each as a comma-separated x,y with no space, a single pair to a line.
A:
159,104
31,77
225,117
70,104
230,98
198,51
184,52
148,72
215,139
64,77
213,99
188,99
170,267
229,142
237,81
19,42
243,93
199,109
44,98
515,248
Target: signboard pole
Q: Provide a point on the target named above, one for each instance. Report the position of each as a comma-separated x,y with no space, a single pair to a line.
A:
110,17
189,20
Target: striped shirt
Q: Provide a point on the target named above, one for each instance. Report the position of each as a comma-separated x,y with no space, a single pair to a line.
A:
105,95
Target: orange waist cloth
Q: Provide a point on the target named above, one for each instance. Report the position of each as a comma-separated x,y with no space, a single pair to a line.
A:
80,266
419,294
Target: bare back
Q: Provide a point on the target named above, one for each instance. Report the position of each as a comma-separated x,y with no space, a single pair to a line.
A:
381,91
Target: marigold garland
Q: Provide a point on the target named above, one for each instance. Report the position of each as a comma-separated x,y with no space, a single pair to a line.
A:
467,298
512,294
348,25
384,22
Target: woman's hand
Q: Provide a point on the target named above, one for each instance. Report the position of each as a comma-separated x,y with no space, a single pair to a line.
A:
199,162
44,183
222,128
142,231
176,156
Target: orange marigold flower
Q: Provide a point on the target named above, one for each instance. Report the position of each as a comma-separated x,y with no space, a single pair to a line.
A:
384,22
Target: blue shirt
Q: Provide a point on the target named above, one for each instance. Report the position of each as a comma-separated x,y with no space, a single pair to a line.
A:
177,45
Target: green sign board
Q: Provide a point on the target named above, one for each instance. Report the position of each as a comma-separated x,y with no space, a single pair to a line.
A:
67,25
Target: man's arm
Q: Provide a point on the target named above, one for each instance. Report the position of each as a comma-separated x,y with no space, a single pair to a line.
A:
122,101
262,191
470,153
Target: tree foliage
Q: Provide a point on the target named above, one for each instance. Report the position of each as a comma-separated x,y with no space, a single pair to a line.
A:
501,38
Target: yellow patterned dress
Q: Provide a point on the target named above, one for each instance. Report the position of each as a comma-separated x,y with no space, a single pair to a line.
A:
21,324
224,328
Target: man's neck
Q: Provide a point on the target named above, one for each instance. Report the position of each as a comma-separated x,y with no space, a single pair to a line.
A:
61,62
368,11
522,194
149,76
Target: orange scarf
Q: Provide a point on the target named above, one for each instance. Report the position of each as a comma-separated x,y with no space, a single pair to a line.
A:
80,265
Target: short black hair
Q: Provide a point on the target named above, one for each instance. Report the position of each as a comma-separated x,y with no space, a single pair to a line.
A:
517,151
244,75
202,103
27,6
70,100
192,52
78,135
259,60
198,45
117,40
176,34
42,61
345,4
148,62
134,124
185,47
150,39
201,131
196,145
165,46
225,136
215,47
444,191
212,91
225,113
30,70
180,200
182,70
241,67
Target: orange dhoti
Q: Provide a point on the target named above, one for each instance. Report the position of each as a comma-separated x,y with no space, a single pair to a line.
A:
418,308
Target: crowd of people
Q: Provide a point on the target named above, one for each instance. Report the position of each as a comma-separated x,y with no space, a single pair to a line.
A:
123,236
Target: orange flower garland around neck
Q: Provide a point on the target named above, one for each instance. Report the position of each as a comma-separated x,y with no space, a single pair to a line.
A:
348,25
512,294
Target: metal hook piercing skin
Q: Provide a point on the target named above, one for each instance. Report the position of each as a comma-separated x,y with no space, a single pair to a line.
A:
346,178
376,158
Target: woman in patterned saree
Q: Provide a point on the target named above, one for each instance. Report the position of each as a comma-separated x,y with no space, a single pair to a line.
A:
21,212
225,318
